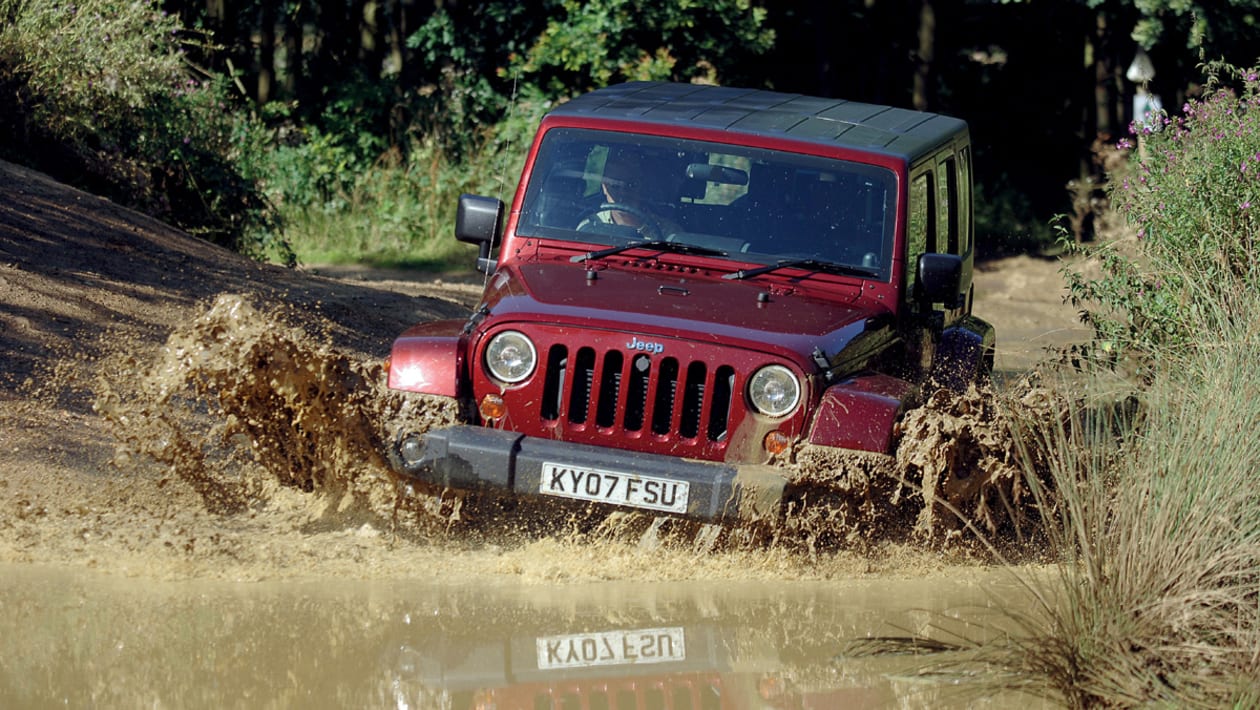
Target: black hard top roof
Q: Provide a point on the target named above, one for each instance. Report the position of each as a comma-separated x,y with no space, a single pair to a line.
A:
893,131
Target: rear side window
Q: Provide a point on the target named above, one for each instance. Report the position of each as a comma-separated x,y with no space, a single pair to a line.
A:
921,223
720,192
947,240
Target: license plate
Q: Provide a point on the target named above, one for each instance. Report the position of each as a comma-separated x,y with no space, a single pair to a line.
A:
615,487
611,648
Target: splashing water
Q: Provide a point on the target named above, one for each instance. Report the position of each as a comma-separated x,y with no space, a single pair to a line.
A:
241,402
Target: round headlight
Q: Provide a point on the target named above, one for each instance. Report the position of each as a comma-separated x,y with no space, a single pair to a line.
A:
510,356
774,390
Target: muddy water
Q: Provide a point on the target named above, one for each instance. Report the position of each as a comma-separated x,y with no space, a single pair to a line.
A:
247,547
78,638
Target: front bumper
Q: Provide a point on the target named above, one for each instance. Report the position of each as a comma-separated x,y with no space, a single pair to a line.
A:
471,457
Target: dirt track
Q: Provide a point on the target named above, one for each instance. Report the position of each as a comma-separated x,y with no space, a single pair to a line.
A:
90,293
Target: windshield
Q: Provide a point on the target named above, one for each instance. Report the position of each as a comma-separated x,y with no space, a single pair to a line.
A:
755,205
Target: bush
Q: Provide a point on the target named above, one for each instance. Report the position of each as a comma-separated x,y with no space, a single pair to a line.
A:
344,199
1190,196
393,211
1156,527
104,99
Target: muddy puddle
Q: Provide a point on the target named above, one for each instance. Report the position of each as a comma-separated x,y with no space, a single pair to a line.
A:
78,638
242,543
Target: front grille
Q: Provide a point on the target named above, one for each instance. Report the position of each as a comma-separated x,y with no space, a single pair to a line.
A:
634,392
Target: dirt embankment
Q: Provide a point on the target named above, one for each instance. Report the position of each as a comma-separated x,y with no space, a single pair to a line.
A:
90,294
167,407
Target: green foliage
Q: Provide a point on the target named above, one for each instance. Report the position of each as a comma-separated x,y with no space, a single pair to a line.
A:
101,55
478,64
312,163
593,44
1204,26
345,195
394,210
1191,195
103,95
465,55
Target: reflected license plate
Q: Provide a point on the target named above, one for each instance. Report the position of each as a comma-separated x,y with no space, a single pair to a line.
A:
611,648
614,487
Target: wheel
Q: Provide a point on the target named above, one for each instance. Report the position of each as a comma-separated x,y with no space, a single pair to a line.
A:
649,227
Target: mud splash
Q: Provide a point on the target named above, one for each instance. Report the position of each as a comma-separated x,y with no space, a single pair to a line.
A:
958,473
243,402
961,462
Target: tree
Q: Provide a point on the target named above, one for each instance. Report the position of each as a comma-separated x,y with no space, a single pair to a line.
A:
925,57
589,44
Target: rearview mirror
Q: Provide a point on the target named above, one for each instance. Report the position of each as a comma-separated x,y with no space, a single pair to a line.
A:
717,173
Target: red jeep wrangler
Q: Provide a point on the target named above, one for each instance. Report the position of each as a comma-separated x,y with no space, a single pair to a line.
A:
692,282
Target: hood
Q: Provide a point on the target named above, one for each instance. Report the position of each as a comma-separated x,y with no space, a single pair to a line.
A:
649,296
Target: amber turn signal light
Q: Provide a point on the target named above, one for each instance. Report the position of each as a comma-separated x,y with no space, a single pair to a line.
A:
776,442
492,407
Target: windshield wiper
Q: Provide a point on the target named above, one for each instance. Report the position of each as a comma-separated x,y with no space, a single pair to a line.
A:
678,247
830,267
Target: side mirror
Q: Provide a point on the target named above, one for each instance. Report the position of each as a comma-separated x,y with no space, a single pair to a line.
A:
477,221
940,280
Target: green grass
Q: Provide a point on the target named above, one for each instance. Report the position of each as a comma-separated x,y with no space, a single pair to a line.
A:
421,238
395,209
389,213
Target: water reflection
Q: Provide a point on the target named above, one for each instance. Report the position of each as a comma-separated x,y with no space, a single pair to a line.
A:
77,638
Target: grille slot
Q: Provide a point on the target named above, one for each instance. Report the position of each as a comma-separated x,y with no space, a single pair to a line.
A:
553,382
720,402
637,392
634,391
693,400
609,389
583,381
666,390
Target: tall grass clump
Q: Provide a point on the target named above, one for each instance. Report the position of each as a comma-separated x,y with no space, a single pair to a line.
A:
1156,596
98,93
1156,523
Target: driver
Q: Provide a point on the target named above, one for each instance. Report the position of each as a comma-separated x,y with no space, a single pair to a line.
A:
626,176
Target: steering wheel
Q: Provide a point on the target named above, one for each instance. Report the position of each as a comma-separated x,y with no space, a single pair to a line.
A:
649,226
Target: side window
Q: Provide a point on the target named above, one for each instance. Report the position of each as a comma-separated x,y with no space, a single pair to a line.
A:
921,223
947,240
